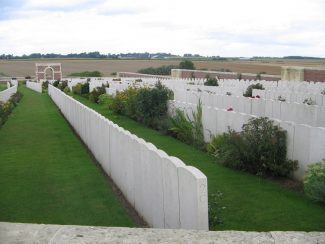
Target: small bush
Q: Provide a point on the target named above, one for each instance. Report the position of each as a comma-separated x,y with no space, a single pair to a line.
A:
249,90
211,82
56,83
260,149
66,90
95,93
104,99
45,85
77,89
62,85
314,182
215,209
151,105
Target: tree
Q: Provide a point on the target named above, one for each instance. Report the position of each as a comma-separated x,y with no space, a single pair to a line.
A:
186,64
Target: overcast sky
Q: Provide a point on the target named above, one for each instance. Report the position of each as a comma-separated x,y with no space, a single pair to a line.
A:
207,27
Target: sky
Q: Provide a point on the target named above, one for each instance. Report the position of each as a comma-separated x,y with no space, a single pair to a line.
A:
208,27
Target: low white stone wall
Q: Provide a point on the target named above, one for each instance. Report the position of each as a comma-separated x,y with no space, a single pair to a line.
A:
40,233
36,86
163,190
304,143
6,94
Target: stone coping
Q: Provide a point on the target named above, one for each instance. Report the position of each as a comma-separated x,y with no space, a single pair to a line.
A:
40,233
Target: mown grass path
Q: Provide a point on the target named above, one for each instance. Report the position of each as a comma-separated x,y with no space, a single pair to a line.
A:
252,203
46,174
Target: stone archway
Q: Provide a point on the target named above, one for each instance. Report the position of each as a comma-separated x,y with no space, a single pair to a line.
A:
49,73
42,68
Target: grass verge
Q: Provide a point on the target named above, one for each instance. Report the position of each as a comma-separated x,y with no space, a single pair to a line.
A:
46,175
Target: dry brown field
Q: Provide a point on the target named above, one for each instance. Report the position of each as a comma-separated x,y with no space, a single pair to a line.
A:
27,67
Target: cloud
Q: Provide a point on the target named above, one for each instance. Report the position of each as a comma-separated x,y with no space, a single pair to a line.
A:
227,28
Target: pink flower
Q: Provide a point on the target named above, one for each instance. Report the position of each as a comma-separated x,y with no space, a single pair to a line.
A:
230,109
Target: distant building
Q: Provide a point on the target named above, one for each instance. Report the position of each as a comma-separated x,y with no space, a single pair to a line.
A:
296,73
48,71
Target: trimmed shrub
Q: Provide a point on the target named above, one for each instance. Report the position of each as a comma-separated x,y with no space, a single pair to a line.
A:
56,83
95,93
151,105
105,99
81,89
249,90
62,85
314,182
211,82
66,90
146,105
259,149
45,85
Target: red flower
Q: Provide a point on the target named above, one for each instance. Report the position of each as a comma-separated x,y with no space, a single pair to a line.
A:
253,96
230,109
258,96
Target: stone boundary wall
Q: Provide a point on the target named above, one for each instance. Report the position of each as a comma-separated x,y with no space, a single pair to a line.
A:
163,190
139,75
35,86
40,233
304,143
6,94
297,73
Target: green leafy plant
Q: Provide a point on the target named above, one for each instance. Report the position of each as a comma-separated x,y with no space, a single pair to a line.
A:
215,208
314,182
95,93
66,90
62,85
188,130
45,85
260,149
211,82
56,83
249,90
151,106
105,99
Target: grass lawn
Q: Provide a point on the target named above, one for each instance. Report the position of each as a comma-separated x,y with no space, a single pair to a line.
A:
251,203
46,174
3,87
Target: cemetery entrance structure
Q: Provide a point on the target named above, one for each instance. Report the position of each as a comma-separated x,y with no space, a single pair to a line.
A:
48,71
